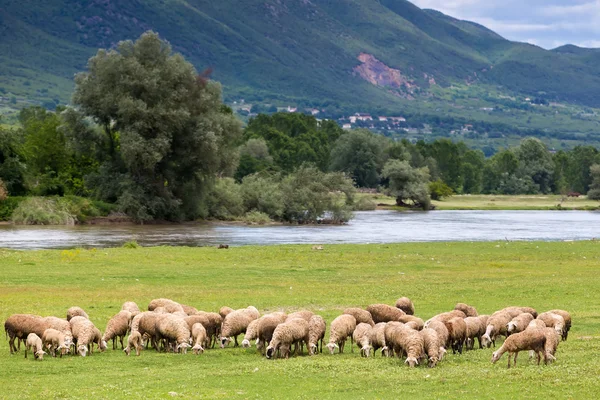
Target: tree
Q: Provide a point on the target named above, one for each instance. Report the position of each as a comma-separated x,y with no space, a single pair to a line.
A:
360,154
164,130
535,162
473,162
594,192
12,167
254,157
408,183
439,190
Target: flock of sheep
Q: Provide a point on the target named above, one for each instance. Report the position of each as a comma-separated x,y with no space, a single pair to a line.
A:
171,326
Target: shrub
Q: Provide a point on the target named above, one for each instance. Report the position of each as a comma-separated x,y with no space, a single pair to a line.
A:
132,244
364,204
256,218
262,193
439,190
225,201
8,206
42,211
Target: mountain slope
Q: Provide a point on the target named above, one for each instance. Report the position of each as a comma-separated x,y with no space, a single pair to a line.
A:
298,50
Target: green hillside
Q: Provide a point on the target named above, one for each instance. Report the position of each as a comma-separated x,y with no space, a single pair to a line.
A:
298,52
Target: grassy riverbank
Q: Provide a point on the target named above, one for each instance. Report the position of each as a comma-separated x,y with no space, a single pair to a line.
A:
500,202
434,275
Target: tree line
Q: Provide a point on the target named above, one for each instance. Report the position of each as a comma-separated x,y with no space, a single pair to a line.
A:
150,135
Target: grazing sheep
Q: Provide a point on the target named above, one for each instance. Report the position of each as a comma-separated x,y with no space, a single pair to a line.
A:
469,311
199,338
388,333
446,316
212,322
304,314
174,329
135,341
266,327
236,323
34,343
553,320
19,326
440,328
294,331
413,322
76,312
457,333
98,341
406,305
385,313
361,316
145,323
408,341
117,327
169,305
341,328
224,311
529,339
515,311
54,340
131,307
431,346
83,333
536,323
519,323
189,310
552,340
475,329
251,333
316,333
496,325
361,338
377,338
567,317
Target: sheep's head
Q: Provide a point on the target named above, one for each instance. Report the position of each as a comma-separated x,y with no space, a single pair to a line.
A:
39,355
82,350
182,347
312,349
68,340
365,350
127,350
496,356
385,351
270,352
103,346
412,361
433,362
284,350
510,327
332,347
64,349
486,341
198,349
225,341
559,329
245,343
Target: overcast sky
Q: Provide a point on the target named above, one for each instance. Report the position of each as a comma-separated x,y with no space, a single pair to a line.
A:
546,23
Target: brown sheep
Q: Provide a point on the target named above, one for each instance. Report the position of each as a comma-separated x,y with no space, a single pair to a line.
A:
496,325
475,329
431,346
341,328
361,316
529,339
457,333
469,311
519,323
316,333
567,317
384,313
405,304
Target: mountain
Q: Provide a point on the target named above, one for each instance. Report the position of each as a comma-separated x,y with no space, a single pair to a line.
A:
386,54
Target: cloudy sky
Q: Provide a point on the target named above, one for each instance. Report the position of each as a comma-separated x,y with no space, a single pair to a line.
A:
546,23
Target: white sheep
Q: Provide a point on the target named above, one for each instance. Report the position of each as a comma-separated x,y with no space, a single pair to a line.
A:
34,344
431,346
553,320
132,307
496,325
76,312
567,317
54,341
469,311
341,328
361,337
169,305
316,333
377,338
174,329
384,313
291,332
475,329
266,327
134,341
251,333
236,323
83,333
199,338
407,341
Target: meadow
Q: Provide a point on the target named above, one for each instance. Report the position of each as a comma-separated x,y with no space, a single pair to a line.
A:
435,276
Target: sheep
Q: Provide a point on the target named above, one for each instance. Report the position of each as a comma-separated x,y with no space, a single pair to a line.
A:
529,339
515,311
54,340
304,314
496,325
469,311
406,305
341,328
388,335
361,316
98,341
519,323
377,338
316,333
405,340
536,323
211,322
361,338
236,323
19,326
266,327
189,310
567,317
34,343
251,333
199,338
169,305
413,322
117,327
384,313
83,333
145,323
135,341
440,328
446,316
174,328
431,346
552,340
131,307
475,329
553,320
290,332
76,312
224,311
457,333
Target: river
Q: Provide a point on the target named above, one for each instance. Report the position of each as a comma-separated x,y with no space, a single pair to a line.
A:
366,227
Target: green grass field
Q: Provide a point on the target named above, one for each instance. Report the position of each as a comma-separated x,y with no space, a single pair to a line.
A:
489,276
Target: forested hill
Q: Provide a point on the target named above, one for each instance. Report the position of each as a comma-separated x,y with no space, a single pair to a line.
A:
359,52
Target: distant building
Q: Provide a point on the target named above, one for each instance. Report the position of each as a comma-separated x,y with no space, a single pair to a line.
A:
383,119
313,111
292,109
362,117
347,126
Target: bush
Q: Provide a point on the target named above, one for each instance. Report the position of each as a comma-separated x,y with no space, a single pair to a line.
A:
364,204
8,206
439,190
262,193
42,211
225,201
132,244
257,218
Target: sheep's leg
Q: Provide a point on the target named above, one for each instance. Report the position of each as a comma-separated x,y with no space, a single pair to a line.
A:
539,357
11,342
516,354
351,344
121,340
25,351
236,342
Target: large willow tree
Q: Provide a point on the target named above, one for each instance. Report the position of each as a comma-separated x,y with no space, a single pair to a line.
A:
162,130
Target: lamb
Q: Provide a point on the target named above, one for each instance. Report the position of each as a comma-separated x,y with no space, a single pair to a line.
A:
135,341
475,329
54,340
377,338
457,333
304,314
131,307
291,332
19,326
406,305
169,305
361,316
553,320
567,317
467,309
496,325
117,327
236,323
76,312
341,328
406,340
224,311
83,333
189,310
385,313
443,335
519,323
199,338
174,328
34,343
251,333
361,338
529,339
266,327
431,346
316,333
